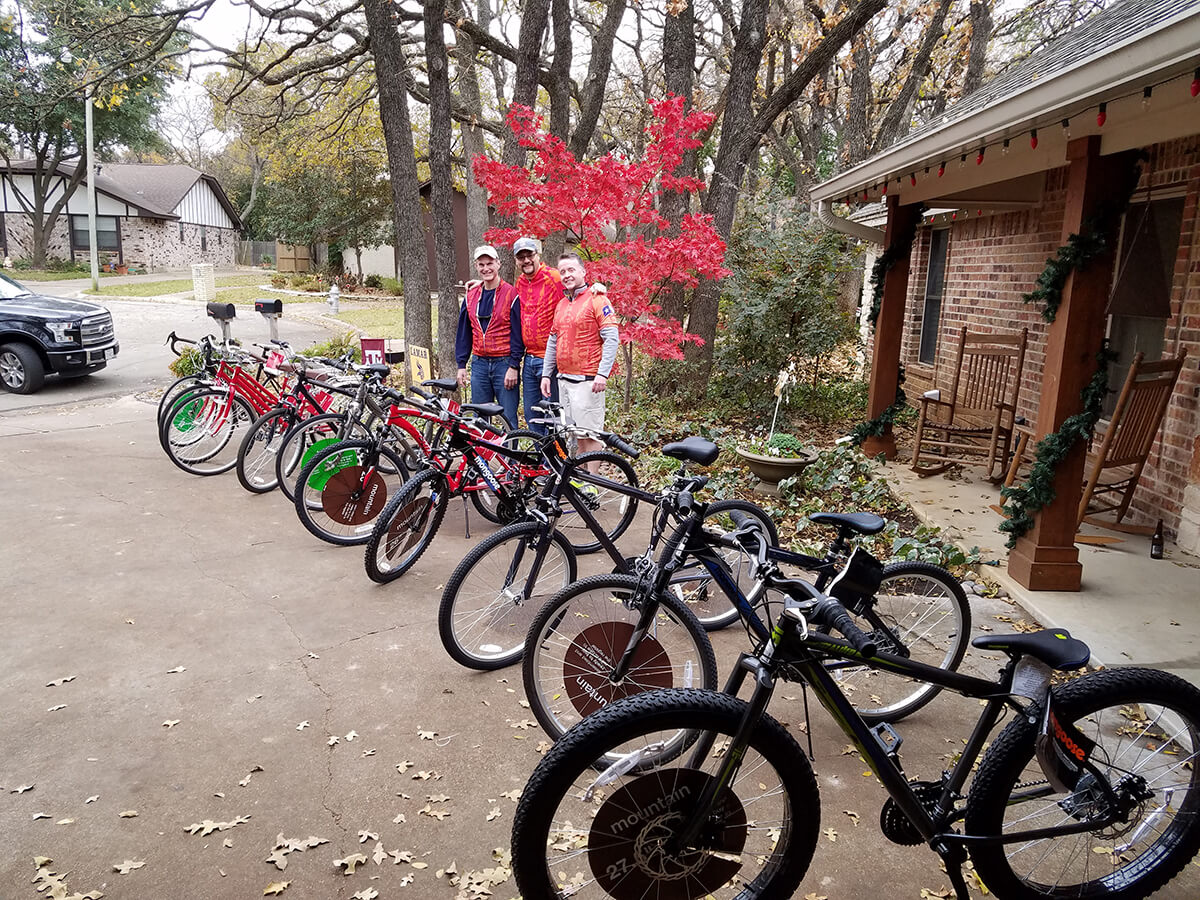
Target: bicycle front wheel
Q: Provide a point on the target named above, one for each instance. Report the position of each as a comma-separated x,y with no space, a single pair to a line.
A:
578,638
344,488
260,446
610,507
1140,731
495,592
407,526
203,429
306,440
578,836
920,611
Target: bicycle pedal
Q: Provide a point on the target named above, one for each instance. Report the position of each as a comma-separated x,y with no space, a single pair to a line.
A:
889,739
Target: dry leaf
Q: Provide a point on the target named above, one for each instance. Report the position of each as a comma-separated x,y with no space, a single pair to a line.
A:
22,789
227,844
333,739
208,826
57,708
853,816
813,895
303,725
437,798
426,735
57,681
426,776
312,655
403,766
128,866
128,814
380,854
438,814
364,836
401,856
37,816
365,894
420,865
354,859
399,820
65,822
514,796
276,887
524,724
831,834
542,746
170,723
92,799
176,670
493,813
367,753
407,880
352,735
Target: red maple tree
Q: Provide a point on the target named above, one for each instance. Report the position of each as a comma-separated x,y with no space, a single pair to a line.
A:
608,208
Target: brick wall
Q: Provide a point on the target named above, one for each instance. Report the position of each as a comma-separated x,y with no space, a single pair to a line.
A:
158,244
994,259
19,237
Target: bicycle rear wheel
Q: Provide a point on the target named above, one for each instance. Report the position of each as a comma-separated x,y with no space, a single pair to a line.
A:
175,390
260,446
202,430
344,488
581,634
1140,732
489,603
508,472
579,836
920,611
306,440
406,527
611,508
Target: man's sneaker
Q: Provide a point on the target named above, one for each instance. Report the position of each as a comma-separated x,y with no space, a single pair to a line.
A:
589,491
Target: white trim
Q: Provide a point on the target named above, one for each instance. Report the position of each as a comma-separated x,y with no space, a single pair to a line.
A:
1167,51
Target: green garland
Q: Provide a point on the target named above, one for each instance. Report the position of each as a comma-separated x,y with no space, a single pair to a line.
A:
878,426
1021,502
879,270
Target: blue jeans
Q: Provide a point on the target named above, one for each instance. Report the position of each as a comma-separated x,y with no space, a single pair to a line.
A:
531,384
487,385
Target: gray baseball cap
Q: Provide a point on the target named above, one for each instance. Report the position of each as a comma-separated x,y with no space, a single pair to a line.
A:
526,243
486,250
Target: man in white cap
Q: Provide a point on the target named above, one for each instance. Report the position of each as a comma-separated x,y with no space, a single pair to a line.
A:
485,337
539,290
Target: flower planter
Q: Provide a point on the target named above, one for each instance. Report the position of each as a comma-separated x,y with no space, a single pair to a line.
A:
121,269
773,469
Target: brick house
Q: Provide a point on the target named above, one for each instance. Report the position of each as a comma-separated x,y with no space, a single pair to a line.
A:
149,216
991,189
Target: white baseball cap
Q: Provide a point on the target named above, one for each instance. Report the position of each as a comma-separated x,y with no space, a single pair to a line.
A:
486,250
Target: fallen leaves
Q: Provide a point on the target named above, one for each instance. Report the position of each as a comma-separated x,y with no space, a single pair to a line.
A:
245,781
128,814
350,862
170,723
365,894
23,788
403,766
853,816
52,885
380,854
438,814
426,735
493,813
284,846
303,725
831,834
275,888
92,799
364,836
208,826
128,866
176,670
58,681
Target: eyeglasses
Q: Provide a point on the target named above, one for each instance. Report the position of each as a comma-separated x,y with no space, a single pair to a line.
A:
525,255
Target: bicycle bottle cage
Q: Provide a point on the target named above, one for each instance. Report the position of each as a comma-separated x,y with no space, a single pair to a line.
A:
859,579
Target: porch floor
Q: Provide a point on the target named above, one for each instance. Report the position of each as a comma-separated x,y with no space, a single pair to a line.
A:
1132,610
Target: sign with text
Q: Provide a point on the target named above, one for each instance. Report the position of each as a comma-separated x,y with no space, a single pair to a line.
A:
418,363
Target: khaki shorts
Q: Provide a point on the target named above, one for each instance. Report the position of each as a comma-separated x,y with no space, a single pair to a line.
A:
581,405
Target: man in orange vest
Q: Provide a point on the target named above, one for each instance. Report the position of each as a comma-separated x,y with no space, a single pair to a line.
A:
485,338
539,290
581,349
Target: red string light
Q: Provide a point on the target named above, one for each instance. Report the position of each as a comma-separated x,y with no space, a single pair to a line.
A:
1196,83
1033,139
912,179
1102,115
979,158
941,170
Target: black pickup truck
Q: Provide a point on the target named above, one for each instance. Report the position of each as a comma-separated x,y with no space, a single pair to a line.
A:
40,334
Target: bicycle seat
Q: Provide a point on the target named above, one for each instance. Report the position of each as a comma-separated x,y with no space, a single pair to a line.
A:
1053,646
383,371
693,449
442,384
862,523
487,410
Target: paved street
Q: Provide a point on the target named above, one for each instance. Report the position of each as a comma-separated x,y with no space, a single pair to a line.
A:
204,652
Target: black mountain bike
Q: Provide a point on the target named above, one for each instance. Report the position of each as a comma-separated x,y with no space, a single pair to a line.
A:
591,643
1090,791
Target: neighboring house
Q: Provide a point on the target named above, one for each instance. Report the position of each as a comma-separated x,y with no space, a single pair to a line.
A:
148,216
995,185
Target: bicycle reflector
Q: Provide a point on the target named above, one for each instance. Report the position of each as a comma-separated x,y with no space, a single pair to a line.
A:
859,579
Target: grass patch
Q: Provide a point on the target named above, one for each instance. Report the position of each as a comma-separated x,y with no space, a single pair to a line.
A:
384,322
175,286
43,275
249,293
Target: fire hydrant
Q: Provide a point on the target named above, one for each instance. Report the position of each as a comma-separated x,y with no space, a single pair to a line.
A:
333,296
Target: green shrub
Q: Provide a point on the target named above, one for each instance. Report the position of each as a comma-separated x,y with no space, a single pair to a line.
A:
786,444
189,362
373,281
300,280
337,346
267,260
22,265
278,280
393,286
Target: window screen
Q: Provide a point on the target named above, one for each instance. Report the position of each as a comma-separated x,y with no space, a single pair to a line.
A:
934,283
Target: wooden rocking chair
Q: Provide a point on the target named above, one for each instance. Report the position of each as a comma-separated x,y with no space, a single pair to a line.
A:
974,426
1113,470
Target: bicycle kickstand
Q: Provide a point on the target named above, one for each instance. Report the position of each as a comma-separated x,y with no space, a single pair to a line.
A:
954,856
466,518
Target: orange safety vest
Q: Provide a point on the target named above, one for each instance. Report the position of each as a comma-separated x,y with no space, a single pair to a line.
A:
577,324
496,341
540,296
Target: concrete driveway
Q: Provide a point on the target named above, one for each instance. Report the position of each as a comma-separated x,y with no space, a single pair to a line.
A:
190,679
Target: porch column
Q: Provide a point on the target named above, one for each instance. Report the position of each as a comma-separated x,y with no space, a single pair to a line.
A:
1046,558
902,224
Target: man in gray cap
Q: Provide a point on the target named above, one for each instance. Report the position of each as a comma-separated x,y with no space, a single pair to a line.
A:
485,336
539,290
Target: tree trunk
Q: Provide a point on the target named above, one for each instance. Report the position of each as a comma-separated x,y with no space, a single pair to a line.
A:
472,135
441,186
981,34
899,113
358,262
591,93
560,70
388,52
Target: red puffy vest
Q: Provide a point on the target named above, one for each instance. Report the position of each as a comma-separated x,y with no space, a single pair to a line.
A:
496,341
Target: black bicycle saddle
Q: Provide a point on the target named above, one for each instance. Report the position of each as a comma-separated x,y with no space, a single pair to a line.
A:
862,523
693,449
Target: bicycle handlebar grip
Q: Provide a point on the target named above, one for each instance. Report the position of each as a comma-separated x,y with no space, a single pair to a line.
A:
618,443
420,393
833,614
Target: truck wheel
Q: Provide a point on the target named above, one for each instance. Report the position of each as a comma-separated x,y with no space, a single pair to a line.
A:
21,369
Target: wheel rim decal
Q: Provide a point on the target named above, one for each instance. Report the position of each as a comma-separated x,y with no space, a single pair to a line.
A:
345,504
589,659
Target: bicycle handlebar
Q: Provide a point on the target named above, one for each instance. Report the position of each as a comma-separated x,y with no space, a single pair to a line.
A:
618,443
829,612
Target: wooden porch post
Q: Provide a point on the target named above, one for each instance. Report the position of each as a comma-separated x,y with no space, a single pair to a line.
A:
902,224
1046,558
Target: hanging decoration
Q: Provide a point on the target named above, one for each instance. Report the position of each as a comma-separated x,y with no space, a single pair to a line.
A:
878,426
1021,502
1081,248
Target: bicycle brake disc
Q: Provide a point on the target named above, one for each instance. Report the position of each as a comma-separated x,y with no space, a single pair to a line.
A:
629,839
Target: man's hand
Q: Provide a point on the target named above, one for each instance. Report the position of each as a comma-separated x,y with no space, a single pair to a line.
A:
599,384
462,376
510,378
545,387
599,288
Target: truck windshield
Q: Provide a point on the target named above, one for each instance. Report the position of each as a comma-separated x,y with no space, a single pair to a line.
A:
10,289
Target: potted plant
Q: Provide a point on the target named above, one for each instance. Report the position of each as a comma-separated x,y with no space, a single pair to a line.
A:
121,269
775,457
